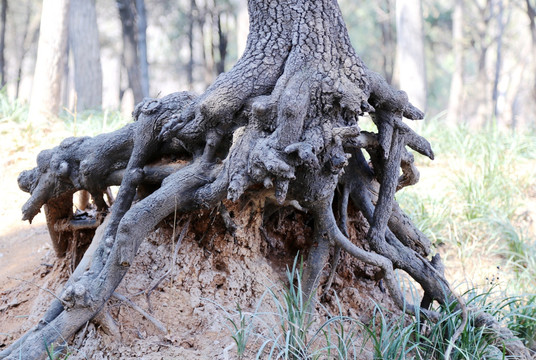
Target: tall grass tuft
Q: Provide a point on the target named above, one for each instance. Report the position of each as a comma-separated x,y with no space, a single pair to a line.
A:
282,326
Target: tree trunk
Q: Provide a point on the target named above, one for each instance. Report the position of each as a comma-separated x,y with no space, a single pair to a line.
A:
26,39
498,62
284,120
454,112
142,46
410,50
3,19
130,47
387,21
191,23
222,46
531,13
46,88
85,47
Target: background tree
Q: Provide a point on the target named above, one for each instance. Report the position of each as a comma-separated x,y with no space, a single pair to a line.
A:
410,50
85,46
531,13
46,88
3,19
141,16
455,107
127,14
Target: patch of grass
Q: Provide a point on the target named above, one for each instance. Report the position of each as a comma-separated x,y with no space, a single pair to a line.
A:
472,204
19,134
53,354
398,337
291,331
91,122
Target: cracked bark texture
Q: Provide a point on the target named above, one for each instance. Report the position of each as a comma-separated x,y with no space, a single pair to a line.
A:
282,124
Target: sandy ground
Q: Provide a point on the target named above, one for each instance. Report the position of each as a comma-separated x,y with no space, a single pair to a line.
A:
22,245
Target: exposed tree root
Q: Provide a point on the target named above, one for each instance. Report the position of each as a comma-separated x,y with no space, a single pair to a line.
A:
283,124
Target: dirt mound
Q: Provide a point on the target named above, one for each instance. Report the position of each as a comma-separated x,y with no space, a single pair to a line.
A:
214,269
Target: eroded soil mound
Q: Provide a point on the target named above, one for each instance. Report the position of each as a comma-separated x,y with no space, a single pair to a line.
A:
215,268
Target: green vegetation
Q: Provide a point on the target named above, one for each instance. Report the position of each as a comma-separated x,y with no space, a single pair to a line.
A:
474,200
20,134
290,333
53,354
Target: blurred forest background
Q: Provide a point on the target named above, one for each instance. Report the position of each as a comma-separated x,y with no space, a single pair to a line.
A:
476,59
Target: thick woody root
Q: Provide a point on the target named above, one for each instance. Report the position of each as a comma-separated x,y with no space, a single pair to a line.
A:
94,164
93,283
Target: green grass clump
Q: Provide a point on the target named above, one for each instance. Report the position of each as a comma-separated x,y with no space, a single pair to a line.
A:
291,330
399,337
92,122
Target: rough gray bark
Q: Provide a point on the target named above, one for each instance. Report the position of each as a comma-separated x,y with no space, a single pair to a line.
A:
282,123
85,47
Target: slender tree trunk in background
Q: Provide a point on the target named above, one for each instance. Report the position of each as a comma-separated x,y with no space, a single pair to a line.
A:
130,47
29,33
66,84
190,67
206,42
3,18
85,47
531,12
142,46
455,107
410,50
483,86
222,46
386,21
46,89
498,61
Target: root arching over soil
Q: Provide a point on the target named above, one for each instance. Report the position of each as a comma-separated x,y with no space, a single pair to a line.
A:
282,124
